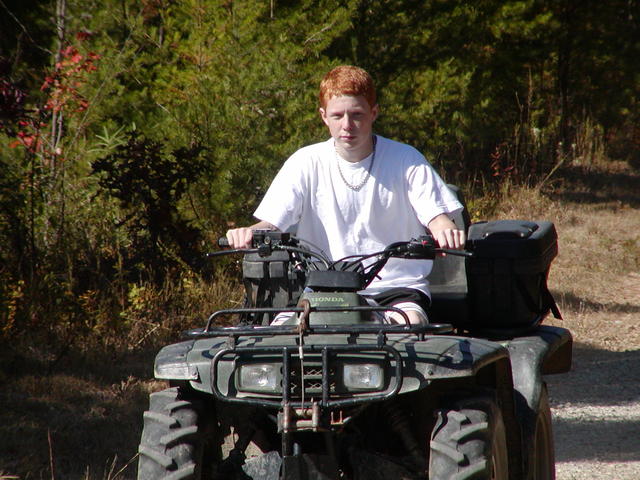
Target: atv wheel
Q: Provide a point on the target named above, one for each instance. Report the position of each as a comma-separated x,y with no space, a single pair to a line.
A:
469,442
169,447
542,457
183,438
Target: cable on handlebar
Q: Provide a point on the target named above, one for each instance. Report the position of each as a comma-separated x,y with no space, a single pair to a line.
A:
308,252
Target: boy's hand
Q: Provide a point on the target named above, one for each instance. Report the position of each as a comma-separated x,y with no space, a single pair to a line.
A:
240,237
446,234
450,238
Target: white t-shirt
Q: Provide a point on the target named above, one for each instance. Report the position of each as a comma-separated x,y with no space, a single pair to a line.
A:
401,196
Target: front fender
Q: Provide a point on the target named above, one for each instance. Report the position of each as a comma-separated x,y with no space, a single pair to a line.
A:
446,358
546,351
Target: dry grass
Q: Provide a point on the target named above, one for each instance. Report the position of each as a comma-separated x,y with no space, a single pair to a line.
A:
83,419
596,277
80,424
79,417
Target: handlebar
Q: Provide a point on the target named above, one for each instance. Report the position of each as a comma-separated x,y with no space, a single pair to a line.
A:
421,248
264,242
261,238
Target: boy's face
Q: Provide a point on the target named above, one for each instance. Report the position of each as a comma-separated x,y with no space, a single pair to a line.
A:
350,121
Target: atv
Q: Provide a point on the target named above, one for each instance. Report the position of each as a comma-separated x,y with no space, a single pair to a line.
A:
311,382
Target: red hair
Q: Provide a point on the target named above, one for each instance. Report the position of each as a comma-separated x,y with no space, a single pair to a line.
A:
347,80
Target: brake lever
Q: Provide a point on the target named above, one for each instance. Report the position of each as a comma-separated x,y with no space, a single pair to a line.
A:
428,242
231,252
459,253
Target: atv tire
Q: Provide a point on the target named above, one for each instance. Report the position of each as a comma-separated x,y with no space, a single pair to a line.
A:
541,462
170,448
469,442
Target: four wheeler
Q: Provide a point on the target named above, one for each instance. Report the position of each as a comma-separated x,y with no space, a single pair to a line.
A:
314,383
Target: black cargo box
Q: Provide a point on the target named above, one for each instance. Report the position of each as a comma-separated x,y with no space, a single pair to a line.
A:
507,275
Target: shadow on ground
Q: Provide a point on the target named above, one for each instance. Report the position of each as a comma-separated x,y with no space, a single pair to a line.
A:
586,186
597,406
83,419
571,302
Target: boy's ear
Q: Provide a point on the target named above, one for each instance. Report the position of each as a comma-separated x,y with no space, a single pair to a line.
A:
375,110
323,115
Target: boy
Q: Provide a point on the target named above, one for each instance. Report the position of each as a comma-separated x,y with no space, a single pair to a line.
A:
358,192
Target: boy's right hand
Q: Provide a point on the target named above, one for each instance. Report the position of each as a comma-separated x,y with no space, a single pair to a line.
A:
240,237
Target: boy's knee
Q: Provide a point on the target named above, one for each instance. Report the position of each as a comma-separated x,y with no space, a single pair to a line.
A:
415,317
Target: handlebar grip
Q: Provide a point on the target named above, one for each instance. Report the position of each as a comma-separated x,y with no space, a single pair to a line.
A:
223,242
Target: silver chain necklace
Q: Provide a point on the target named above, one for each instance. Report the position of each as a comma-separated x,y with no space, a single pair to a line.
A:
358,187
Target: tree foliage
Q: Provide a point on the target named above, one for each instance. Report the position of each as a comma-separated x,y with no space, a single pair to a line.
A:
149,182
135,132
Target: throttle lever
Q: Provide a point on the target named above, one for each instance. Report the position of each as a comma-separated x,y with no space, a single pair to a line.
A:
423,247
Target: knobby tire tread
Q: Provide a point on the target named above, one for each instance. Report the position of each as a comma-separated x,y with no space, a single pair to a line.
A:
169,444
464,440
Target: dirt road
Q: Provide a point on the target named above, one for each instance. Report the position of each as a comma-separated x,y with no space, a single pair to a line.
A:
596,412
596,407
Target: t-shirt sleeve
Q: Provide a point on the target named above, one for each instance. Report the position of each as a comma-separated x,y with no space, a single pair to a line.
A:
428,193
282,204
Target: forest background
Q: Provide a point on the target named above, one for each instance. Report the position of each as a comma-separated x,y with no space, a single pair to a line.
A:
134,133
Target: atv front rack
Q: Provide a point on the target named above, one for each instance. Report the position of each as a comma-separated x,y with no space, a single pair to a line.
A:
305,328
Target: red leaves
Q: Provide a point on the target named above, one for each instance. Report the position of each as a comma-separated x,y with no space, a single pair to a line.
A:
31,141
73,61
83,35
63,93
501,164
68,77
48,81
